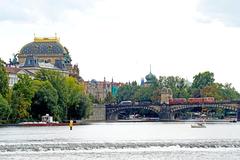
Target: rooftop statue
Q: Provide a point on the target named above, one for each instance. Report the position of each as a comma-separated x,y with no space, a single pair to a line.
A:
13,61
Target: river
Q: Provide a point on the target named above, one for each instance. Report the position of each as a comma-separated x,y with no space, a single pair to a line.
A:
121,141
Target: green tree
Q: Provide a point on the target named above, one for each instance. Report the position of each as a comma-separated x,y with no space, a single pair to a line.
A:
57,80
72,101
220,92
79,104
144,94
3,79
22,97
214,90
179,86
84,107
230,92
5,109
45,101
109,98
202,80
127,92
93,99
73,90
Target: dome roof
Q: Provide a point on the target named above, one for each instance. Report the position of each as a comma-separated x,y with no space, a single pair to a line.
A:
94,81
150,77
43,46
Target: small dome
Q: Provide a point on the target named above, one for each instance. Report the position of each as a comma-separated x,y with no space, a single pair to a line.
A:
94,81
150,77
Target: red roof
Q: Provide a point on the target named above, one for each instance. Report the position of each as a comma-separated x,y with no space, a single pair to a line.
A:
12,70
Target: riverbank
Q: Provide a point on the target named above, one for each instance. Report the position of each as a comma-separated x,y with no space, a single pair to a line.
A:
185,121
119,121
39,124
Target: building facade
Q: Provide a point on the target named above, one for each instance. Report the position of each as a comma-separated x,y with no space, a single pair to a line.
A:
13,72
45,53
100,89
42,53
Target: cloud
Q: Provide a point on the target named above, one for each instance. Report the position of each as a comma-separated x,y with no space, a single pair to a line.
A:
33,11
121,38
225,11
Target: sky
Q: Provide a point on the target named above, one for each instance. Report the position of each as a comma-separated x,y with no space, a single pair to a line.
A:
120,39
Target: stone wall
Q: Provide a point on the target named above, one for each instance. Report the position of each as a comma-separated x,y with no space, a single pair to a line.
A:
99,113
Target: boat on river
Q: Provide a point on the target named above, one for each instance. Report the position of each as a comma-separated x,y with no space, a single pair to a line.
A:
36,124
198,125
47,120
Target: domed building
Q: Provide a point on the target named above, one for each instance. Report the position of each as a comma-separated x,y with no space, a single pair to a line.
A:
150,79
42,53
45,53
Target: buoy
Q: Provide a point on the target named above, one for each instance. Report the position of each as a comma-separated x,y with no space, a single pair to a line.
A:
71,124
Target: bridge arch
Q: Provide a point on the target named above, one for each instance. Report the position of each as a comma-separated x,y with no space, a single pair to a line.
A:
176,108
111,114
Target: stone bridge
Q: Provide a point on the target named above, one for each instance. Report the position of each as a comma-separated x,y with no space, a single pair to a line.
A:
166,112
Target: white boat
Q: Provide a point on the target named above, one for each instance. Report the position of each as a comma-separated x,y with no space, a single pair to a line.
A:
198,125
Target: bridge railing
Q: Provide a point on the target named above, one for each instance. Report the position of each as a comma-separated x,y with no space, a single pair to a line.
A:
166,105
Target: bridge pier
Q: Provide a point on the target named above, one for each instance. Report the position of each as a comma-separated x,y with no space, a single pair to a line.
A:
165,116
113,117
172,117
238,114
165,113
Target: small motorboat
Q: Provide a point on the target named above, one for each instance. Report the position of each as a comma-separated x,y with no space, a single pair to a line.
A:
198,125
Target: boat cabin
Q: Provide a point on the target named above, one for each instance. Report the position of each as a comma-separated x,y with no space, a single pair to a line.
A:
47,118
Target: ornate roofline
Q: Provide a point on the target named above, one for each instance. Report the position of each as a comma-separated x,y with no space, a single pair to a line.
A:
46,39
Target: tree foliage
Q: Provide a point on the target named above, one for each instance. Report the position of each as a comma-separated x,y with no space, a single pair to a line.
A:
143,94
72,102
82,109
45,100
202,80
5,109
64,98
127,92
220,92
179,86
203,86
22,97
3,79
79,105
109,98
57,80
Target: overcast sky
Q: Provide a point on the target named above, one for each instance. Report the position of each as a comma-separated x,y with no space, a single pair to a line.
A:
121,38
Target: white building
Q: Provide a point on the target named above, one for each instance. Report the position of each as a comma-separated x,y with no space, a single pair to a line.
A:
13,72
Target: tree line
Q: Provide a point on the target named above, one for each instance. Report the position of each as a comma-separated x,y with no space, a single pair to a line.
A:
49,92
203,85
64,98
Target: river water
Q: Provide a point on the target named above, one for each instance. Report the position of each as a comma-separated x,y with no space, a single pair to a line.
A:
121,141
